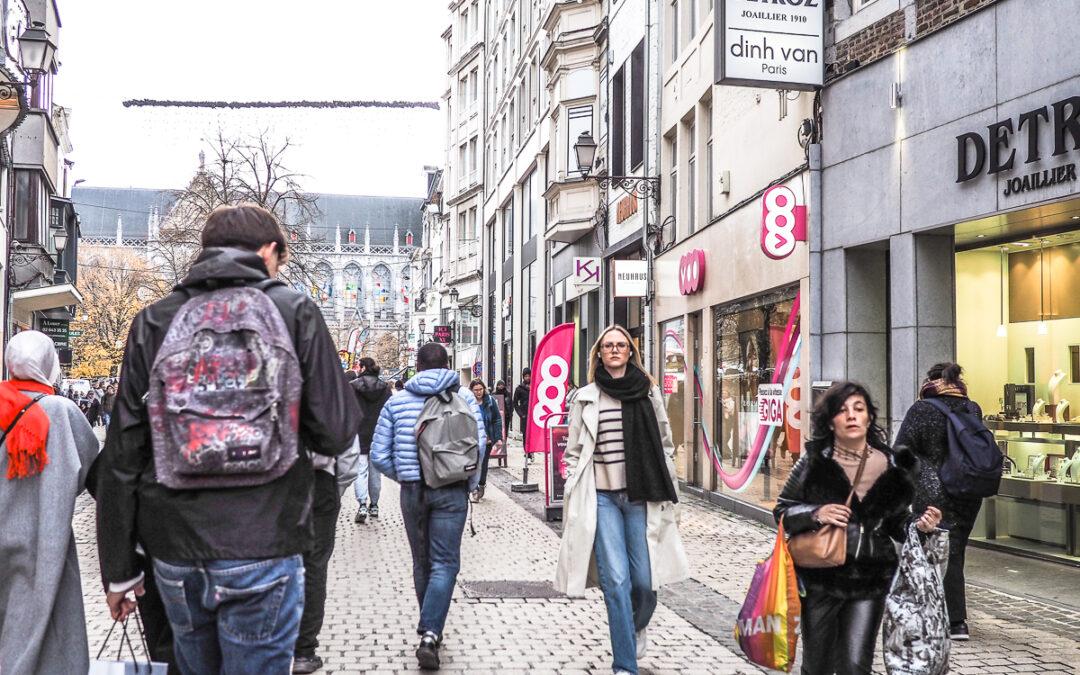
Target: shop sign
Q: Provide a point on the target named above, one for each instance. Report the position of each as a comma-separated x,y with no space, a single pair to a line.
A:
442,335
692,272
995,152
770,405
57,329
586,274
626,207
783,222
631,278
771,43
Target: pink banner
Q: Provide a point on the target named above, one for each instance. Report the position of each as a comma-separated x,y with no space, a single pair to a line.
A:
550,378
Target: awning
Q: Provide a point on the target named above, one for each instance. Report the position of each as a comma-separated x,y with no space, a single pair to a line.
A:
46,297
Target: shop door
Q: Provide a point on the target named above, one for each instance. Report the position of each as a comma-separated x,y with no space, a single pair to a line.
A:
699,459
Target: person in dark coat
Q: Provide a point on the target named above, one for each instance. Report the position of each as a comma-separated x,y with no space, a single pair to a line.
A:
843,606
371,393
925,430
492,427
521,405
502,390
93,410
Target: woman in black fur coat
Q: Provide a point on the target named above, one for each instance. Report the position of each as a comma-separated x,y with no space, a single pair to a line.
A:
843,606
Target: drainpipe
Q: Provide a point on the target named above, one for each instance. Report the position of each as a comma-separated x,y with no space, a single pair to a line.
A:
815,237
651,163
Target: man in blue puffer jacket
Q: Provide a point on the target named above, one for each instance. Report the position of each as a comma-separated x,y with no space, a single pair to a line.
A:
434,517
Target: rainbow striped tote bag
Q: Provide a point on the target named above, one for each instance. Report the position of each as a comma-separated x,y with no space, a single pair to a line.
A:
768,624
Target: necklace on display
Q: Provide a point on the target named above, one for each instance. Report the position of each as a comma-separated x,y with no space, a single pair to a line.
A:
1052,385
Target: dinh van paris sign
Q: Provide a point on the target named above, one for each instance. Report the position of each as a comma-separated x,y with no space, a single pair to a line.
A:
1011,140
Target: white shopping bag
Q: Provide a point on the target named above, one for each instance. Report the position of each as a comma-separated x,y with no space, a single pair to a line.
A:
119,665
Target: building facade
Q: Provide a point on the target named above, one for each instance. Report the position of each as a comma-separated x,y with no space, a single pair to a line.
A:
361,253
40,222
950,223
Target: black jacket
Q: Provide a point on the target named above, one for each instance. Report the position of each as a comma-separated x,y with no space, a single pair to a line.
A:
264,521
371,394
521,400
879,519
926,431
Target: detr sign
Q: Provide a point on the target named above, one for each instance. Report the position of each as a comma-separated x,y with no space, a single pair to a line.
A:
996,152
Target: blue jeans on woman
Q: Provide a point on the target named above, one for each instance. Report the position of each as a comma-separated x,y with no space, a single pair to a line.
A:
233,616
368,484
622,562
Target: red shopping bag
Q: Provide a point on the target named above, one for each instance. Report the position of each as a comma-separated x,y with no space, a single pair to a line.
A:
768,624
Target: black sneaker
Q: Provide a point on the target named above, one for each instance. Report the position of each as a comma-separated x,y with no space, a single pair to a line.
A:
373,510
958,632
427,654
307,664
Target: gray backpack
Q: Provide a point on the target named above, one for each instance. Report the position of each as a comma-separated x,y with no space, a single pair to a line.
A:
224,397
446,440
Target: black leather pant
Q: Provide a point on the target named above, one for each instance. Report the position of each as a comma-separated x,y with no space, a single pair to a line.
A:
838,635
962,520
325,506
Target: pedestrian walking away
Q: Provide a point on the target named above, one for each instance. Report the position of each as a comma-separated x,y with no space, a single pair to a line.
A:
47,449
620,530
230,515
371,395
925,431
847,458
492,429
333,475
502,390
434,516
521,407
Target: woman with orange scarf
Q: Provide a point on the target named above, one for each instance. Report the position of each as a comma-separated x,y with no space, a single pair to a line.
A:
46,448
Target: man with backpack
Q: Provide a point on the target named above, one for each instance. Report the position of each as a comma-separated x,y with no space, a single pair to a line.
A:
428,439
227,383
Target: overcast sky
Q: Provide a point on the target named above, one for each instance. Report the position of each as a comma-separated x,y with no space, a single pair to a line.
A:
112,50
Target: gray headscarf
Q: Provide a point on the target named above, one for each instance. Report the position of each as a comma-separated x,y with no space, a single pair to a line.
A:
31,355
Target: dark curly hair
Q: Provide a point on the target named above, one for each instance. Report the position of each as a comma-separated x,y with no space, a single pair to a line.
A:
821,433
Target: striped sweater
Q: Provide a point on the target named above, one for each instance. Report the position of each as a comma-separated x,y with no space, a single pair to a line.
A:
609,458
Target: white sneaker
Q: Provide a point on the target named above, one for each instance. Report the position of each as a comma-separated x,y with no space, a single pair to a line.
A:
642,642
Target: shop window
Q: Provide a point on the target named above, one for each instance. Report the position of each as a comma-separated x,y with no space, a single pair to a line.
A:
1029,362
1074,363
749,340
673,385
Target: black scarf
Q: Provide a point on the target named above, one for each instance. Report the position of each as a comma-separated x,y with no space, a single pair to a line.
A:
647,477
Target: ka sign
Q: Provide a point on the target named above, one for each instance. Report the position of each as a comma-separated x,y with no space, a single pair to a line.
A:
783,222
692,272
586,274
771,43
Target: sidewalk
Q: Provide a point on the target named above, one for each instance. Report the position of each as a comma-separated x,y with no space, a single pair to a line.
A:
506,619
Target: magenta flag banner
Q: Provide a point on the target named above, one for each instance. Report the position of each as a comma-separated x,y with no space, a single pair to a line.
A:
550,378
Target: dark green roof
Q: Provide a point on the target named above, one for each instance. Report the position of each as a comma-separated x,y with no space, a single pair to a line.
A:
98,209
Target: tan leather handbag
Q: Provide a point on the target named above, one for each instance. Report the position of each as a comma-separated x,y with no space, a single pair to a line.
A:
827,545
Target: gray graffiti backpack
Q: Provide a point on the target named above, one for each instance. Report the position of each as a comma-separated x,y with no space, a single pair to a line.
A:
446,439
224,396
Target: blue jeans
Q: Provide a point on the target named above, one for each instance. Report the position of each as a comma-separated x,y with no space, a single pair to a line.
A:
434,522
622,561
368,483
233,616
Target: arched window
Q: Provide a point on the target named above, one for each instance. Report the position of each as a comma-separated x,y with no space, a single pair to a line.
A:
353,284
352,236
382,290
322,288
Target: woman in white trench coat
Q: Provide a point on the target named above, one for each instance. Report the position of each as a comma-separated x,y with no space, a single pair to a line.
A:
619,515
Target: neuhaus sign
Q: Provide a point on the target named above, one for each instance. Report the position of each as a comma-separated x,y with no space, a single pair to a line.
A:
771,43
1009,144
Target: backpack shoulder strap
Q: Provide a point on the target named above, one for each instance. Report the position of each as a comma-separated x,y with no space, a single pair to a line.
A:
940,406
18,416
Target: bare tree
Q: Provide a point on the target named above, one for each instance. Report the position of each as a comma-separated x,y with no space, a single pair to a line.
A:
240,170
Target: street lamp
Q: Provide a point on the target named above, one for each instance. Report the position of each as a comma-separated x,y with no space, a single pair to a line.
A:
36,49
454,295
585,149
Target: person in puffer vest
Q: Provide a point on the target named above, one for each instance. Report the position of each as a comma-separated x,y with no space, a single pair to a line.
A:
434,517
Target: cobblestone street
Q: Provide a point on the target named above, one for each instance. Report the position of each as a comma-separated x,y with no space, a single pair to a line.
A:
505,617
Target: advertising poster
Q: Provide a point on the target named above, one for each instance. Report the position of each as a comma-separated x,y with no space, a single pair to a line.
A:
558,437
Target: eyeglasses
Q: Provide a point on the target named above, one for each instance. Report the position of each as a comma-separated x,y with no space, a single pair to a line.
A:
614,347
